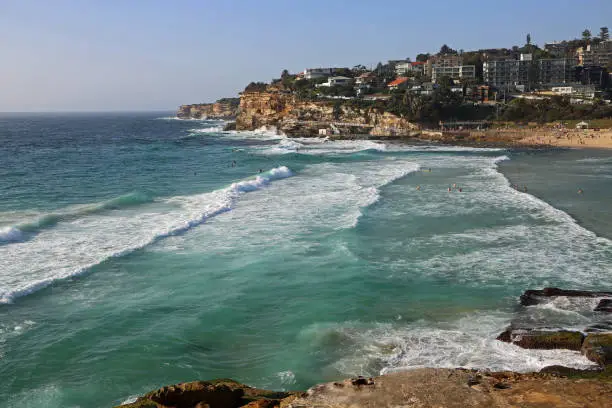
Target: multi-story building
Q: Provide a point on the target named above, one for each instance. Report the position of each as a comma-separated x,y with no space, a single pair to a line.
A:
409,67
526,71
443,60
503,74
598,54
593,75
556,71
454,72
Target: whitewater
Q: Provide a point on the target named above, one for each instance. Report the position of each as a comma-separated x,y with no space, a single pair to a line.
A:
155,251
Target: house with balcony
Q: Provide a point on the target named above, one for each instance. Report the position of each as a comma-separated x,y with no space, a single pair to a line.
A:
337,81
454,72
406,68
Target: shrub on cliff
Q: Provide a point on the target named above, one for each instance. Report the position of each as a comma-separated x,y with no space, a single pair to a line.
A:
256,87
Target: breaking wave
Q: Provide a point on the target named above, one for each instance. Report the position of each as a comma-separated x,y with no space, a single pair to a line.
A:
54,259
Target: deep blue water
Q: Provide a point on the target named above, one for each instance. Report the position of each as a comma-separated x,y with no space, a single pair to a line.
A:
137,251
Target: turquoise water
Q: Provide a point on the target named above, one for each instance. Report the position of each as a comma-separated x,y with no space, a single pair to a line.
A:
134,254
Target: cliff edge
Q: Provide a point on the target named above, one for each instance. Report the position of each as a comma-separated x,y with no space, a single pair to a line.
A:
226,108
275,107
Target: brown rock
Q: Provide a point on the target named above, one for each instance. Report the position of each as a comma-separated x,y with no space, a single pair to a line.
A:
448,388
604,305
210,394
534,297
539,339
597,347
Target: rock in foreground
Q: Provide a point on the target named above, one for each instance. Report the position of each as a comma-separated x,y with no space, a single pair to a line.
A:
543,340
211,394
419,388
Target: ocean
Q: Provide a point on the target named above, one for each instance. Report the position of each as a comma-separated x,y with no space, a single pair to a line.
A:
137,250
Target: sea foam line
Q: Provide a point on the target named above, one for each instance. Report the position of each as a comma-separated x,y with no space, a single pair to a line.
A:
24,231
227,198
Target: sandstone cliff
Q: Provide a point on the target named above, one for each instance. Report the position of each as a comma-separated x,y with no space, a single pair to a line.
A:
292,116
222,109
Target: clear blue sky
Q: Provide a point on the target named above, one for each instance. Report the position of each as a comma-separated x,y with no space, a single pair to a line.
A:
141,55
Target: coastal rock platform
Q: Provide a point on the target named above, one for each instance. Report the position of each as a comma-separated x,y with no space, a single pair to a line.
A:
417,388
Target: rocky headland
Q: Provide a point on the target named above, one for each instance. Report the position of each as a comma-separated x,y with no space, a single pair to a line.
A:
274,107
226,109
553,386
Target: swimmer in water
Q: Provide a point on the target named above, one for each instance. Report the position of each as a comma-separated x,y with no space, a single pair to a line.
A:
449,189
454,185
260,170
580,191
418,188
233,163
460,189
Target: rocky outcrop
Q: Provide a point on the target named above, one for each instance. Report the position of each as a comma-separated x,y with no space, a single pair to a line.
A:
417,388
534,297
222,109
544,340
597,347
284,111
223,393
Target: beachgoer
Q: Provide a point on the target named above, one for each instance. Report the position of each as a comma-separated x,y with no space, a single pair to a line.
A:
454,185
580,191
449,189
260,170
233,163
460,189
525,189
418,188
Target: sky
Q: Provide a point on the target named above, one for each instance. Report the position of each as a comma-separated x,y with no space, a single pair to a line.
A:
100,55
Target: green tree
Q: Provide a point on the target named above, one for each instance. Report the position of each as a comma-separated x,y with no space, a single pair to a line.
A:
586,36
528,39
445,49
604,34
422,57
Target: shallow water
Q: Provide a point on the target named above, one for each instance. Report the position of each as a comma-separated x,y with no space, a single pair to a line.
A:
134,254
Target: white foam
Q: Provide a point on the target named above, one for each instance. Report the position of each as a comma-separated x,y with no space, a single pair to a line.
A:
470,342
321,199
72,248
10,234
211,129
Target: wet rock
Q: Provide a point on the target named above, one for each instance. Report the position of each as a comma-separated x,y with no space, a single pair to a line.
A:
604,305
502,386
599,327
229,126
533,297
597,347
359,381
210,394
562,371
540,339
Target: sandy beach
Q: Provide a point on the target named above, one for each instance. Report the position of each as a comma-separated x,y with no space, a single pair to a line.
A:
571,138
